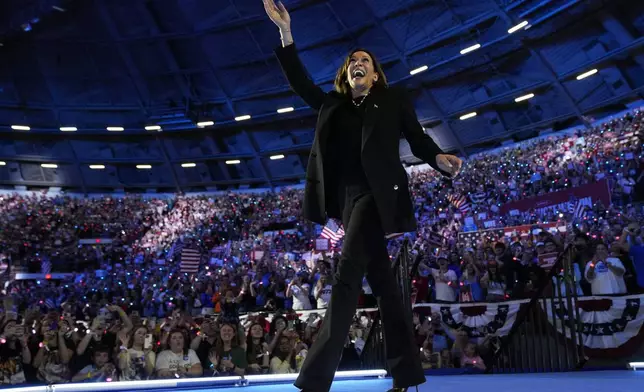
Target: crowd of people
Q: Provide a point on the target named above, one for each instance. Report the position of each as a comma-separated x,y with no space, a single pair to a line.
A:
130,311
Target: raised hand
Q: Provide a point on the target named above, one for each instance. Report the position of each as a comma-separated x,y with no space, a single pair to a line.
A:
278,14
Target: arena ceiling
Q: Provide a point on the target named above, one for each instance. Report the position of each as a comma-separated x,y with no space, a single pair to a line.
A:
86,65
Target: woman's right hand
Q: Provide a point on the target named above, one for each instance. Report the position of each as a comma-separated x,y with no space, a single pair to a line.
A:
278,14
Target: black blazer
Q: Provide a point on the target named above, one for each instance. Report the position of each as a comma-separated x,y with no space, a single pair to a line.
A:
389,113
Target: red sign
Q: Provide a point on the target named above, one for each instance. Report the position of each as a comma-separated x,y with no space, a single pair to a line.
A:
558,201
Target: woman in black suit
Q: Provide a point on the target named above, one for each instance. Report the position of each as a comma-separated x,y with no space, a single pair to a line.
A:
354,174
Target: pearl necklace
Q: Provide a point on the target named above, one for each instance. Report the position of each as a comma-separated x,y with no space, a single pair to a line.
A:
361,101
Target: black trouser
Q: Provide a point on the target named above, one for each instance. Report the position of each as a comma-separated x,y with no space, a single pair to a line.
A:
364,252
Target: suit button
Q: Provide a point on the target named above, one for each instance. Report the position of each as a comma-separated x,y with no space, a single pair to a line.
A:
395,187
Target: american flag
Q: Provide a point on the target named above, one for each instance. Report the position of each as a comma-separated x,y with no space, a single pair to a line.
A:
190,258
459,202
333,232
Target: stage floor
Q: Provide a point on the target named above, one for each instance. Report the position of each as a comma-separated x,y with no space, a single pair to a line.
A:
601,381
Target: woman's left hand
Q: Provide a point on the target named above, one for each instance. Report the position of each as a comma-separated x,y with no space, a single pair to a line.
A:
449,163
228,364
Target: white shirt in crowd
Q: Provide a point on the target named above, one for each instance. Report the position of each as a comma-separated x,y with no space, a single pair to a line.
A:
171,361
301,298
444,292
325,295
605,281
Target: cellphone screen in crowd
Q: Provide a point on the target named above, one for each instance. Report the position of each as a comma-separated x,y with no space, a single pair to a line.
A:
148,342
291,324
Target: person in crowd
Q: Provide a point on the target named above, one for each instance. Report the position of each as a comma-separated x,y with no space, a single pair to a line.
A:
228,357
100,370
471,358
53,356
445,281
285,358
322,292
605,273
14,353
299,291
178,361
136,359
257,353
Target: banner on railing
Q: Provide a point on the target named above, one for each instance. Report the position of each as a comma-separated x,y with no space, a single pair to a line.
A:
478,320
611,326
560,201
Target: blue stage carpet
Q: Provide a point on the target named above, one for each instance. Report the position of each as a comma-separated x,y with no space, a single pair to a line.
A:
621,381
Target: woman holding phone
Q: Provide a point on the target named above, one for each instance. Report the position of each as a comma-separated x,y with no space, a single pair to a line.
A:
136,359
354,175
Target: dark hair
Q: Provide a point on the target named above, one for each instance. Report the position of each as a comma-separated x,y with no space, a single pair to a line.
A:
251,349
186,339
341,83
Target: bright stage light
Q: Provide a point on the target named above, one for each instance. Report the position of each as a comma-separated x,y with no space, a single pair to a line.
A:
233,162
468,115
153,128
418,70
587,74
203,124
20,128
188,165
470,49
2,163
49,165
518,27
285,110
115,129
275,157
242,118
97,167
144,167
524,97
68,129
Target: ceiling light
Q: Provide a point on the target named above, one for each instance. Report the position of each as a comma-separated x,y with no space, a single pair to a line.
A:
233,162
2,163
418,70
470,49
57,8
285,110
524,97
97,167
242,118
20,128
144,166
275,157
68,129
49,165
204,124
518,27
115,129
153,128
468,115
587,74
188,165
